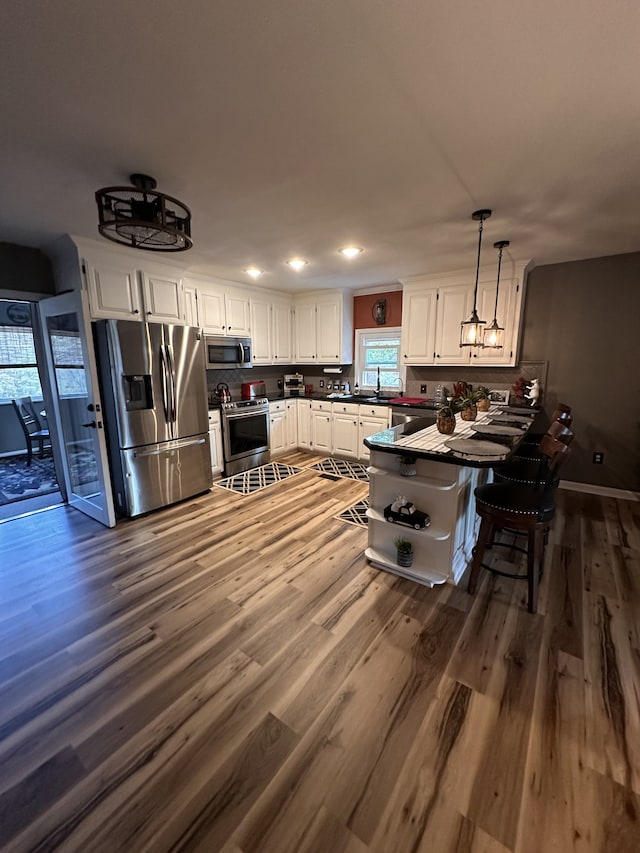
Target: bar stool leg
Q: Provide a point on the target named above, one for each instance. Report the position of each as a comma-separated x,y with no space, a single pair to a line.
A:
478,553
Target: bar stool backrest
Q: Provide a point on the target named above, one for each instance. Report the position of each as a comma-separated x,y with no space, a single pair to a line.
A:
561,432
555,453
563,417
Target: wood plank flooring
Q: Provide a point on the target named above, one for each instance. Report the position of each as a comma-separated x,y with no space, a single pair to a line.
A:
231,675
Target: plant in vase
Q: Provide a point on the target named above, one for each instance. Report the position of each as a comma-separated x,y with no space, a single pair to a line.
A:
404,550
484,402
467,402
446,417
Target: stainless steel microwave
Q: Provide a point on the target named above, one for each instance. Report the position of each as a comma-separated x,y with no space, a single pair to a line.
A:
222,351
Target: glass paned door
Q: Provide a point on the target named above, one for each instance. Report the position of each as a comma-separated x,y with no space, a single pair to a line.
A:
71,368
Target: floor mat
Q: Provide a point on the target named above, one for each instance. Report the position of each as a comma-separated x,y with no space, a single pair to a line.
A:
341,468
251,481
356,514
19,480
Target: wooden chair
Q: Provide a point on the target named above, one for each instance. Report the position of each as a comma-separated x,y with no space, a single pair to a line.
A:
532,451
560,414
525,509
532,467
31,426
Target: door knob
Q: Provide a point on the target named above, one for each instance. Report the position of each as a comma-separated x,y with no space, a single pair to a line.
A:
91,424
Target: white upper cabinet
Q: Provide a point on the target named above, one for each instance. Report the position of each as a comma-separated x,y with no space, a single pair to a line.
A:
190,306
271,330
123,291
434,306
223,307
324,327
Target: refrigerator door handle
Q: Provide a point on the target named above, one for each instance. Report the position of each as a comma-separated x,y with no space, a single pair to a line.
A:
178,445
166,401
172,381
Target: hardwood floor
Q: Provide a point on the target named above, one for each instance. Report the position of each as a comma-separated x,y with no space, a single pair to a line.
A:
231,675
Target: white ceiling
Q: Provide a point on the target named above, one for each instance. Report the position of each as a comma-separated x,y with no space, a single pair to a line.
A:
292,127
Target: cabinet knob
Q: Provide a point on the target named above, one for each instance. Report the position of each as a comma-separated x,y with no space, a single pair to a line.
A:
149,313
438,355
135,311
405,355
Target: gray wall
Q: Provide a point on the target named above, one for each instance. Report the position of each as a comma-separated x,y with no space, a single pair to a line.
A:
582,318
25,270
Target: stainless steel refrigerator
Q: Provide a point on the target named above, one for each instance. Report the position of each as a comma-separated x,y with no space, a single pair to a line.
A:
154,390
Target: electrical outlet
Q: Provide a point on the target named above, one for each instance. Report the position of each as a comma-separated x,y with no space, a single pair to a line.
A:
597,458
322,383
423,389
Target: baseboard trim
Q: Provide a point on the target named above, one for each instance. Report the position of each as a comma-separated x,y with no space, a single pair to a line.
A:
604,491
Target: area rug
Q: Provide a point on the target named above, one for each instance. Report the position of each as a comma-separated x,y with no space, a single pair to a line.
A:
258,478
356,514
19,481
341,468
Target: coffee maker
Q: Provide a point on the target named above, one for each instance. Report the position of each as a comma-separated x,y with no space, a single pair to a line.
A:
293,384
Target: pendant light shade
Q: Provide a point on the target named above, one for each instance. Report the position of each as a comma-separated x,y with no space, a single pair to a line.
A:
493,336
471,329
142,218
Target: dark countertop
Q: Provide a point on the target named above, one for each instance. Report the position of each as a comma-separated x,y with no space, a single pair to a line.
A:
388,441
361,398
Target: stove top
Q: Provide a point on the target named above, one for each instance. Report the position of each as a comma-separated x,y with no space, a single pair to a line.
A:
239,405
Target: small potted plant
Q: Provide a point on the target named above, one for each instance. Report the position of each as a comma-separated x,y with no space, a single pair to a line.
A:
446,417
483,400
467,402
405,551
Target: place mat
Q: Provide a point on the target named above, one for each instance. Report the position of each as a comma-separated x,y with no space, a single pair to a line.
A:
248,482
476,448
498,429
342,468
520,410
511,419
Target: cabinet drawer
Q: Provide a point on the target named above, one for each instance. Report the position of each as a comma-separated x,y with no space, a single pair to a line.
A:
321,406
214,417
381,412
346,409
277,406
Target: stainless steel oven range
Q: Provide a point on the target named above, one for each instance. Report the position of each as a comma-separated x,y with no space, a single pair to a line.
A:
245,434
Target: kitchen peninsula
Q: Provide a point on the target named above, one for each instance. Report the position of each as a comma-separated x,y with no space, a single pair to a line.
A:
442,486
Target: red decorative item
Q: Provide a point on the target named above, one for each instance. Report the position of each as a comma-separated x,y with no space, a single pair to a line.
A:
460,388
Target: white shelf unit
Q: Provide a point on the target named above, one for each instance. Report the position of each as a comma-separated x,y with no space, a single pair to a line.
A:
443,549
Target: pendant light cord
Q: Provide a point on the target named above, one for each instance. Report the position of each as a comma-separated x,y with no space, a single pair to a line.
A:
475,291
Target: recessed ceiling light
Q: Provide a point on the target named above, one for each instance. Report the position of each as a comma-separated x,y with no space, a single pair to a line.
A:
297,263
254,272
350,251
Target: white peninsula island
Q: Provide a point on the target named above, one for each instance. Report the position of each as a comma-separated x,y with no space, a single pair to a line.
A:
442,486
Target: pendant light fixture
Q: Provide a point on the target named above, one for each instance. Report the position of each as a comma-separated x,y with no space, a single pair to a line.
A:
493,335
142,218
471,329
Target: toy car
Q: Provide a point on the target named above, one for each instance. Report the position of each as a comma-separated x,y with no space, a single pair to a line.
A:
408,515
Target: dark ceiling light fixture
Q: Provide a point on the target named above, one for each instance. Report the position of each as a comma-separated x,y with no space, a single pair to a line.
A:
142,218
493,335
471,329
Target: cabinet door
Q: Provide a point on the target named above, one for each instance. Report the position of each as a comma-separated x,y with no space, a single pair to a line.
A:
455,303
345,435
419,326
367,427
212,313
190,306
281,333
304,423
277,433
305,318
162,298
506,318
291,425
328,331
215,440
261,331
113,291
321,432
238,314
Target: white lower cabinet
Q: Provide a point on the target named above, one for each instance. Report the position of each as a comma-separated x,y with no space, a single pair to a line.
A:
215,440
366,427
321,426
303,412
291,424
277,434
345,434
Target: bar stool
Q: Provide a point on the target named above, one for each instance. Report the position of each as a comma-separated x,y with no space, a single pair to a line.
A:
532,451
532,469
560,415
525,509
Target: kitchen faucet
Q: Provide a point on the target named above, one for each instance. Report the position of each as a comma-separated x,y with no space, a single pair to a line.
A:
378,384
